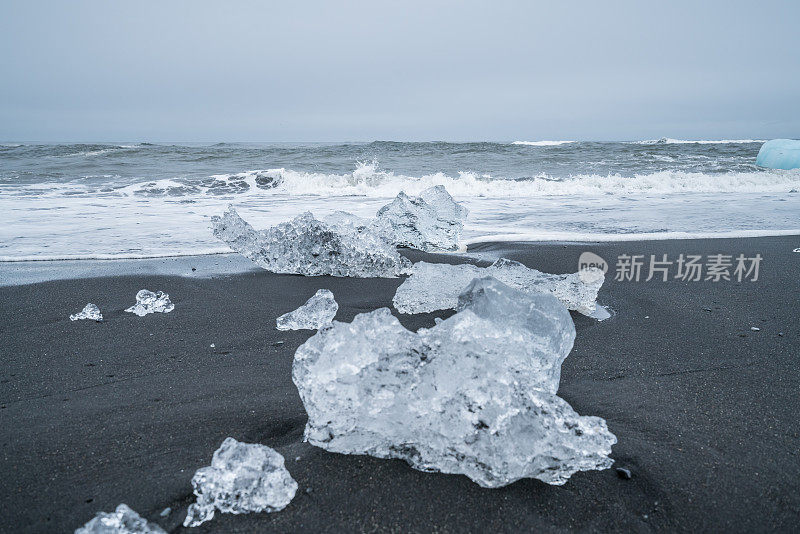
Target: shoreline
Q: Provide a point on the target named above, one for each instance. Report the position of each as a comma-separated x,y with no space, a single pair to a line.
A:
124,411
29,271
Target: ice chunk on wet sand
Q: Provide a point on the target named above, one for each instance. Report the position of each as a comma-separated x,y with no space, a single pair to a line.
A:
149,302
474,394
242,478
318,311
436,286
307,246
430,222
122,521
90,311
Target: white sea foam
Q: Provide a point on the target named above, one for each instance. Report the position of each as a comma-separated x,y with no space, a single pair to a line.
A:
542,143
368,180
670,141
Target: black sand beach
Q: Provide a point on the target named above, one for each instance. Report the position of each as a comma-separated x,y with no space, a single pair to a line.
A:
705,409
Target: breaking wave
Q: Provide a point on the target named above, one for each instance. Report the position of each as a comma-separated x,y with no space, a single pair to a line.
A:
542,143
669,141
367,180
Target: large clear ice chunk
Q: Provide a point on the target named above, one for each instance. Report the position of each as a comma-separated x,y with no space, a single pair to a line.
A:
149,302
318,311
305,245
122,521
242,478
474,394
430,222
436,286
90,311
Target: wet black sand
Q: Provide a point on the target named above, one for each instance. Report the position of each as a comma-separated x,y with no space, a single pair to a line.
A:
705,409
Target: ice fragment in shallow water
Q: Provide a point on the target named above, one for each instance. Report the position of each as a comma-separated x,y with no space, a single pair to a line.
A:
305,245
432,221
474,394
318,311
435,286
90,311
242,478
149,302
122,521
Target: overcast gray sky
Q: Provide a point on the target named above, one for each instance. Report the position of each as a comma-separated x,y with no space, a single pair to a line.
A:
411,70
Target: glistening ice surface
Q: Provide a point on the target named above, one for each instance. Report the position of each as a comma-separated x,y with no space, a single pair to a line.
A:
318,311
149,302
135,200
242,478
305,245
436,286
431,222
474,395
90,311
121,521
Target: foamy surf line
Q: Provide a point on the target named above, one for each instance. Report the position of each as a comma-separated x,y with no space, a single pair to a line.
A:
670,141
521,237
569,237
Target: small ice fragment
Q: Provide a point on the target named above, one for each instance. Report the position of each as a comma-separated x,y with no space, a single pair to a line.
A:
90,311
600,313
212,345
307,246
122,521
796,250
755,328
430,222
475,394
435,286
165,512
242,478
646,316
149,302
318,311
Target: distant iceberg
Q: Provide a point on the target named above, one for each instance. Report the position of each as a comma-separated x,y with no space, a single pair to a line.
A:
779,154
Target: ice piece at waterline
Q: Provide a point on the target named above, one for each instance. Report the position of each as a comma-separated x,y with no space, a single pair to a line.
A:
305,245
122,521
318,311
435,286
430,222
474,394
149,302
90,311
242,478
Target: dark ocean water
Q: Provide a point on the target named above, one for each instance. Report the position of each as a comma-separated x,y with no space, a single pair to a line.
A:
140,199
